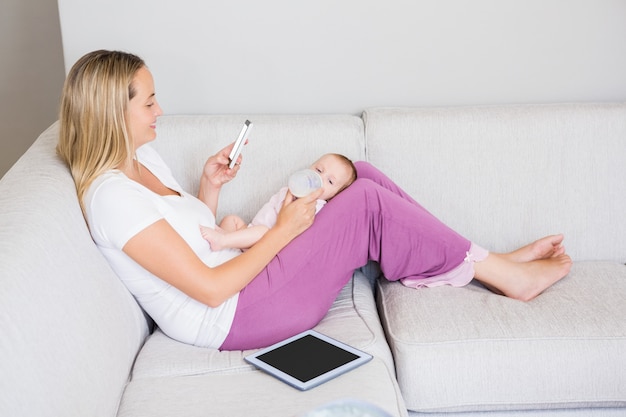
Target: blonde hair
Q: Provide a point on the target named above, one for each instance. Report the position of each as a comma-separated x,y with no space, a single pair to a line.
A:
93,136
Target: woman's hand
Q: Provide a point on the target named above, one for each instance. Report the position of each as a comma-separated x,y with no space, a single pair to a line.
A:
216,171
297,215
215,174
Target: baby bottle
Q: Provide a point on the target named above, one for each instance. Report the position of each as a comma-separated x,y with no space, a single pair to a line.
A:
304,182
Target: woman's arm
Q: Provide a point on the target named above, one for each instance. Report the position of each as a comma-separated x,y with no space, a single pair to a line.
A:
162,251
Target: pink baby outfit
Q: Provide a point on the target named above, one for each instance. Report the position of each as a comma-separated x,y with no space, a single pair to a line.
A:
268,213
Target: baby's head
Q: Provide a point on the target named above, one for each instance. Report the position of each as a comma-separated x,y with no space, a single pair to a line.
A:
337,173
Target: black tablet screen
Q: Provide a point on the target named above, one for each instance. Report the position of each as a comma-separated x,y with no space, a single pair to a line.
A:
307,358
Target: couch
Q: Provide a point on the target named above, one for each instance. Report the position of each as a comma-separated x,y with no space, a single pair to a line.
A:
75,343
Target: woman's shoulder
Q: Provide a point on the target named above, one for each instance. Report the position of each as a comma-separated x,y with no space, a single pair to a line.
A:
106,180
106,191
117,207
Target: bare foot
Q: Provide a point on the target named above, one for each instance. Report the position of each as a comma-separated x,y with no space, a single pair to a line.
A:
521,280
544,248
213,236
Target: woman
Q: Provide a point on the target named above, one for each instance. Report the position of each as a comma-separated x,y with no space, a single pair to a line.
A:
147,227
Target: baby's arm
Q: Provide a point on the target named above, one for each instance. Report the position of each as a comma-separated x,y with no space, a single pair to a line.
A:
239,239
233,232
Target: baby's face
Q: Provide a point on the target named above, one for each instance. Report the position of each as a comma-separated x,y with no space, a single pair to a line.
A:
335,175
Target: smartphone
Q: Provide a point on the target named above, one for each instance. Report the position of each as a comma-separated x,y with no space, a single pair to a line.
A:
240,143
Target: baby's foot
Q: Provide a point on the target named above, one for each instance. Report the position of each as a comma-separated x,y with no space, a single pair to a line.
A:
213,236
544,248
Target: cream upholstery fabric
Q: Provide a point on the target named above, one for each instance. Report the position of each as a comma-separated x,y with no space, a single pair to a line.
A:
278,146
505,175
467,349
69,330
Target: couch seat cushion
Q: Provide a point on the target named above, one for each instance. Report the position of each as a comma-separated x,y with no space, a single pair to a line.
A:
171,378
467,349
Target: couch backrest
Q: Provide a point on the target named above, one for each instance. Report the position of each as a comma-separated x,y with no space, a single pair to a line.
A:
504,175
278,146
69,329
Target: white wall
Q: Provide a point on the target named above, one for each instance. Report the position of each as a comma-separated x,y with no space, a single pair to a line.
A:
334,56
31,74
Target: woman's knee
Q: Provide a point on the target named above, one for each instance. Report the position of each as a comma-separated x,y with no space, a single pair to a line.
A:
357,193
364,169
367,170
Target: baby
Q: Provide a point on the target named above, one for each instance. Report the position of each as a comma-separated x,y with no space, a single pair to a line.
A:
337,173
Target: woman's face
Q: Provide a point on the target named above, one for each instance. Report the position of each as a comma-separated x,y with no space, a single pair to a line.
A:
143,109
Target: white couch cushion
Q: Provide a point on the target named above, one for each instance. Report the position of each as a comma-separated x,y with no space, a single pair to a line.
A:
278,146
467,349
505,175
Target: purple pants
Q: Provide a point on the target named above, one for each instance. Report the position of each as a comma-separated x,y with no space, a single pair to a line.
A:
373,219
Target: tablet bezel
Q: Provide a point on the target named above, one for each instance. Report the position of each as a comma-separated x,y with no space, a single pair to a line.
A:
361,359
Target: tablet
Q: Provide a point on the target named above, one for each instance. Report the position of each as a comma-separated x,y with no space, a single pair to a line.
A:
240,143
308,359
